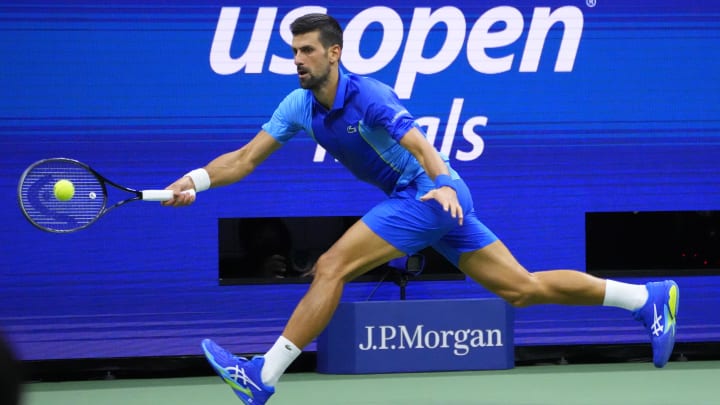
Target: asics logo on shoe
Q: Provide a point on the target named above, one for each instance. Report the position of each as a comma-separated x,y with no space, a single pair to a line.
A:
657,326
236,374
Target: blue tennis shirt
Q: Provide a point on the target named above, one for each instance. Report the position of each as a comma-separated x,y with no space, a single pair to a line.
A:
362,130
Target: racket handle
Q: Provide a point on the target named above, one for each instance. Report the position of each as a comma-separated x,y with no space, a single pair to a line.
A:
161,195
157,195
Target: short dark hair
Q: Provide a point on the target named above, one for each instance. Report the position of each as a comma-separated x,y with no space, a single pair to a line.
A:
330,31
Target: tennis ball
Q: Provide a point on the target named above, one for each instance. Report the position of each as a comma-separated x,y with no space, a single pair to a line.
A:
64,190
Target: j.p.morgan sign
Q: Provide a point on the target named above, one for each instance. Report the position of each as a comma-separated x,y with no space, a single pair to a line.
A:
425,335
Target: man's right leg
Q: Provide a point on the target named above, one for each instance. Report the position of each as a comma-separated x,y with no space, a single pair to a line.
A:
358,251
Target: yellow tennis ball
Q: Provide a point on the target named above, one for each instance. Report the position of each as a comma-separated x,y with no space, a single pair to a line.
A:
64,190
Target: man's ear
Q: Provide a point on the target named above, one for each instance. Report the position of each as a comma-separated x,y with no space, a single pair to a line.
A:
334,53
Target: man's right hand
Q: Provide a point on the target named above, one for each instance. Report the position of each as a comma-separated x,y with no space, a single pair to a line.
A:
183,192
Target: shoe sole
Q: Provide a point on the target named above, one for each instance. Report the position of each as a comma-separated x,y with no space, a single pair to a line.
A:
673,304
674,300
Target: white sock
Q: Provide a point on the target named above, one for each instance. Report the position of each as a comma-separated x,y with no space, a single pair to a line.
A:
277,360
622,295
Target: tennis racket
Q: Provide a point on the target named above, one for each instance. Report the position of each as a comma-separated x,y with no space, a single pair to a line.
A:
87,204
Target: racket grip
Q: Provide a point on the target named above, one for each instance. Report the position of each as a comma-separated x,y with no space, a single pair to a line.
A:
157,195
161,195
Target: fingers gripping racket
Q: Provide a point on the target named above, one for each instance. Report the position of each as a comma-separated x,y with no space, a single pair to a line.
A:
82,199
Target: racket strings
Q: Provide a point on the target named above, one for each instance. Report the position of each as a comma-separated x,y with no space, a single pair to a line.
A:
40,205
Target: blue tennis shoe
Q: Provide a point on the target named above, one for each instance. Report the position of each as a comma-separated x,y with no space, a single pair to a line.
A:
241,374
658,315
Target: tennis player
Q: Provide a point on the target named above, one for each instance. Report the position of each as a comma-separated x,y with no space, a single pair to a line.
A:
363,125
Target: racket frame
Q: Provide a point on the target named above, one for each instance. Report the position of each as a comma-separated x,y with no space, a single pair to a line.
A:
104,181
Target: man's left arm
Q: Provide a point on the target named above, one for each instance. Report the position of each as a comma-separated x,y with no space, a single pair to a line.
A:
435,166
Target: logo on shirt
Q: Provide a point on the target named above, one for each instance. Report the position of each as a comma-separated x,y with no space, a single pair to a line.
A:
351,129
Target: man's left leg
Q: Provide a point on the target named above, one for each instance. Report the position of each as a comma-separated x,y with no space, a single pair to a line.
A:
654,304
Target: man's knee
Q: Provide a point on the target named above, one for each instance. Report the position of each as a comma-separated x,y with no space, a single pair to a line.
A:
523,294
328,267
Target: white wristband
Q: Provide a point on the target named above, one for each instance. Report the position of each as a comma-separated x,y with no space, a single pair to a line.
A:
200,178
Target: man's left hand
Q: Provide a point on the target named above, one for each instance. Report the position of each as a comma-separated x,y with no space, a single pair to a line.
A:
447,197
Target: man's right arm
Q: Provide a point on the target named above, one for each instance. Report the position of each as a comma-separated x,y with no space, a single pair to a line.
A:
227,168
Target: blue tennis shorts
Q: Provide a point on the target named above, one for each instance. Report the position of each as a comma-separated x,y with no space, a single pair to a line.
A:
411,225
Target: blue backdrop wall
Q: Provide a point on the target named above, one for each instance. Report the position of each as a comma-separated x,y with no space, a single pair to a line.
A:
549,109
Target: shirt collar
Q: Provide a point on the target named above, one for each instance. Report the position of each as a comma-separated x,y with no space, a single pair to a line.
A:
340,93
339,102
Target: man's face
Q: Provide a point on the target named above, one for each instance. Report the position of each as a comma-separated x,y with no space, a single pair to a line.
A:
312,60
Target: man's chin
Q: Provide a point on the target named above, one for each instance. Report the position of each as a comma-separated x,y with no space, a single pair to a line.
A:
310,83
302,81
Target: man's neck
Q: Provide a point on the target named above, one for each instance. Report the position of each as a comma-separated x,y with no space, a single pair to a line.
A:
325,94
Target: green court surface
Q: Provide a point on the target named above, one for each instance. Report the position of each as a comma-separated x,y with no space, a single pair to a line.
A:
694,382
